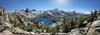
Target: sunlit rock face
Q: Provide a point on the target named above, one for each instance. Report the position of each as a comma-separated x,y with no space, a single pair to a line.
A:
94,26
98,17
74,32
96,23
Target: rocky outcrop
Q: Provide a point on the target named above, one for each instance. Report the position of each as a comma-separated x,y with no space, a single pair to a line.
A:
6,32
94,26
75,32
1,28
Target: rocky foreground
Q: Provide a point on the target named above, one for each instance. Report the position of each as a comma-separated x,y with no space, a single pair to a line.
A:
19,23
6,28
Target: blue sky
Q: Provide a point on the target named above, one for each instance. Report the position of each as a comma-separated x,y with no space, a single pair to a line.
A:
67,5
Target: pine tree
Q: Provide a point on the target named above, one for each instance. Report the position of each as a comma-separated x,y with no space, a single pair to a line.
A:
1,10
